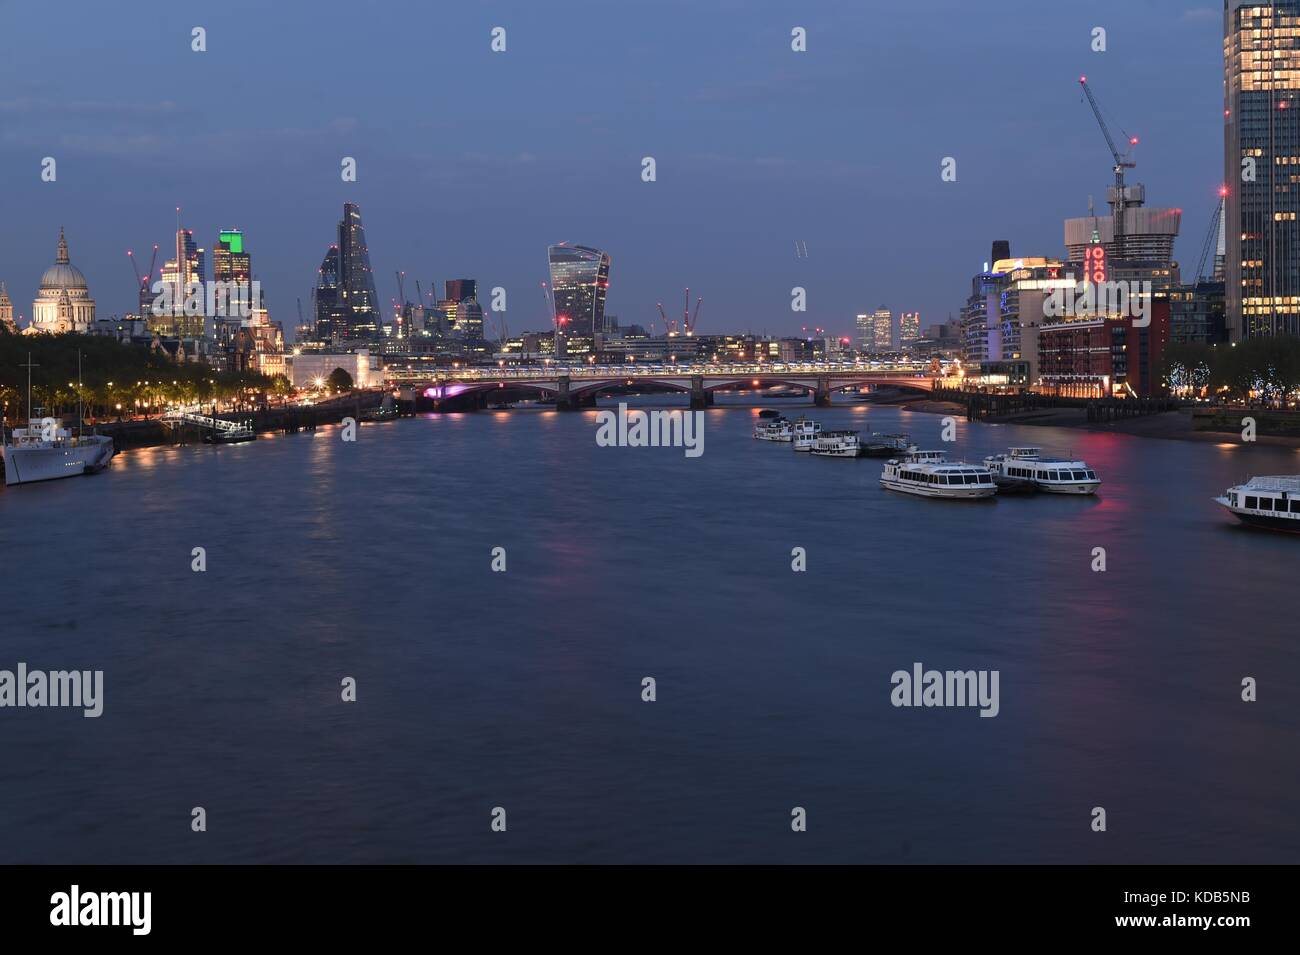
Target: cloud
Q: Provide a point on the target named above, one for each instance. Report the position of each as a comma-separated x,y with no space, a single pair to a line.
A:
28,106
162,140
758,90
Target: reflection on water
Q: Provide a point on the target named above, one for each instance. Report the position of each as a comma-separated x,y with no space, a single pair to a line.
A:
522,689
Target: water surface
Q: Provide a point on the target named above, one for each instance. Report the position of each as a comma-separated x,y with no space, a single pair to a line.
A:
523,689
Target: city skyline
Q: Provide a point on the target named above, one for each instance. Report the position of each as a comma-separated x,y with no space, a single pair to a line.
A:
862,210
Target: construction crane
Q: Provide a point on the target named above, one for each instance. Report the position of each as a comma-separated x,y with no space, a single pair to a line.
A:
142,282
667,325
1211,237
688,320
1122,162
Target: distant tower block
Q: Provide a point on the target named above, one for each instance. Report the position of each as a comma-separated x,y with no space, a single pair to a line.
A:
6,312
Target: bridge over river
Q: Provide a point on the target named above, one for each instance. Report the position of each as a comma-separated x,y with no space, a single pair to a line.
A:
575,386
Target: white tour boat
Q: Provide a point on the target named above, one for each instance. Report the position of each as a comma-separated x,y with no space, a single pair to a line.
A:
930,474
837,444
805,434
1271,502
1053,475
45,450
774,429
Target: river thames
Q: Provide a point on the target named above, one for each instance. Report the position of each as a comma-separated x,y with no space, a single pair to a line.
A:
522,689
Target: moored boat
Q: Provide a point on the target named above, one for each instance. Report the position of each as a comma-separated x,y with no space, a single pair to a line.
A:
837,444
45,450
930,474
774,429
1053,475
1271,502
805,434
887,445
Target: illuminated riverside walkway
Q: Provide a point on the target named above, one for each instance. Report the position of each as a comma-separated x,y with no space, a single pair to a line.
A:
203,421
577,385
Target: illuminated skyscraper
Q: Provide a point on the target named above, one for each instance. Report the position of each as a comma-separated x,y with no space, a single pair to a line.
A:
866,332
347,306
579,283
909,328
469,320
1261,138
230,263
184,276
331,322
459,317
883,326
357,281
232,271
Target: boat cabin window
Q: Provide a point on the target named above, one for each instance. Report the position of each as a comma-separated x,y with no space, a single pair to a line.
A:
1092,475
1252,502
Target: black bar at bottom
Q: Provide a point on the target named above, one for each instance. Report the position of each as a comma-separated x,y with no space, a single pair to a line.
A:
334,904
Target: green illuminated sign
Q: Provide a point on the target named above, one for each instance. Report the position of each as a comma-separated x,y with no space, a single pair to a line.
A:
235,240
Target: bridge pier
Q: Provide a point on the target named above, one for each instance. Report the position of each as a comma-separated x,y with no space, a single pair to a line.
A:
822,395
700,399
564,401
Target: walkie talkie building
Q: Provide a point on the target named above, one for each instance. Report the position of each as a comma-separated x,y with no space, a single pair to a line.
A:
579,283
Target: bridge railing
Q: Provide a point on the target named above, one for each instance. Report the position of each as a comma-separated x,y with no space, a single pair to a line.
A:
589,371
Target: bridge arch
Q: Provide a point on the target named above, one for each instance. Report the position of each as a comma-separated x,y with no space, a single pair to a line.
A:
764,381
459,389
594,388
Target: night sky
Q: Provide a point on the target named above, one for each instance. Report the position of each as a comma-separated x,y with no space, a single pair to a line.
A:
471,162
